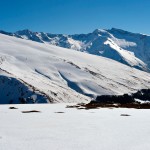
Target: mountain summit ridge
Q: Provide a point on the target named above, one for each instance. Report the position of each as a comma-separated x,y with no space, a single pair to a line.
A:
132,49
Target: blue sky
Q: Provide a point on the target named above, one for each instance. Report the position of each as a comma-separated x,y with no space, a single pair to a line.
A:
75,16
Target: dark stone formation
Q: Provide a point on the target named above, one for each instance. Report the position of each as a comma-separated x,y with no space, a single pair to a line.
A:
143,94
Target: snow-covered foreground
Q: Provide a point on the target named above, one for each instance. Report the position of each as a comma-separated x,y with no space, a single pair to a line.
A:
35,72
97,129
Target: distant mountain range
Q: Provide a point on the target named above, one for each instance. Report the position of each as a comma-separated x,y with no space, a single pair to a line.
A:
31,72
132,49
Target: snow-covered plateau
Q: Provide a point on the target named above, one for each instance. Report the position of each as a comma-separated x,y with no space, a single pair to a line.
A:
32,72
56,127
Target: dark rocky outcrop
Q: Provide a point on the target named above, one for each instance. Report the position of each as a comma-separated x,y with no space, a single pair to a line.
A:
119,101
143,94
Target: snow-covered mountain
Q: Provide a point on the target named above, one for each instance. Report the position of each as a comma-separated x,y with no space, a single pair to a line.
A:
129,48
32,72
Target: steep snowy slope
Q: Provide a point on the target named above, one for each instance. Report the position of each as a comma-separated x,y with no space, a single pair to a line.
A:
16,91
61,75
126,47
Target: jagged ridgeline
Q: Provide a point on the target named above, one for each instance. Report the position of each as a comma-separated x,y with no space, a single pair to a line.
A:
132,49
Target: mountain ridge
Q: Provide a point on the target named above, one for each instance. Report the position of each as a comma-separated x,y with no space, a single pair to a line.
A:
126,47
40,72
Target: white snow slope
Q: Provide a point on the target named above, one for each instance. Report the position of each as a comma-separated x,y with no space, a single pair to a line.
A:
97,129
132,49
45,73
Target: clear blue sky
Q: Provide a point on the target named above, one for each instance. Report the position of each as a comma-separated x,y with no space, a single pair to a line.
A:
75,16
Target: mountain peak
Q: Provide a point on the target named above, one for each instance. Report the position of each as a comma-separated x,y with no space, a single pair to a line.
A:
116,29
121,31
99,31
24,31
